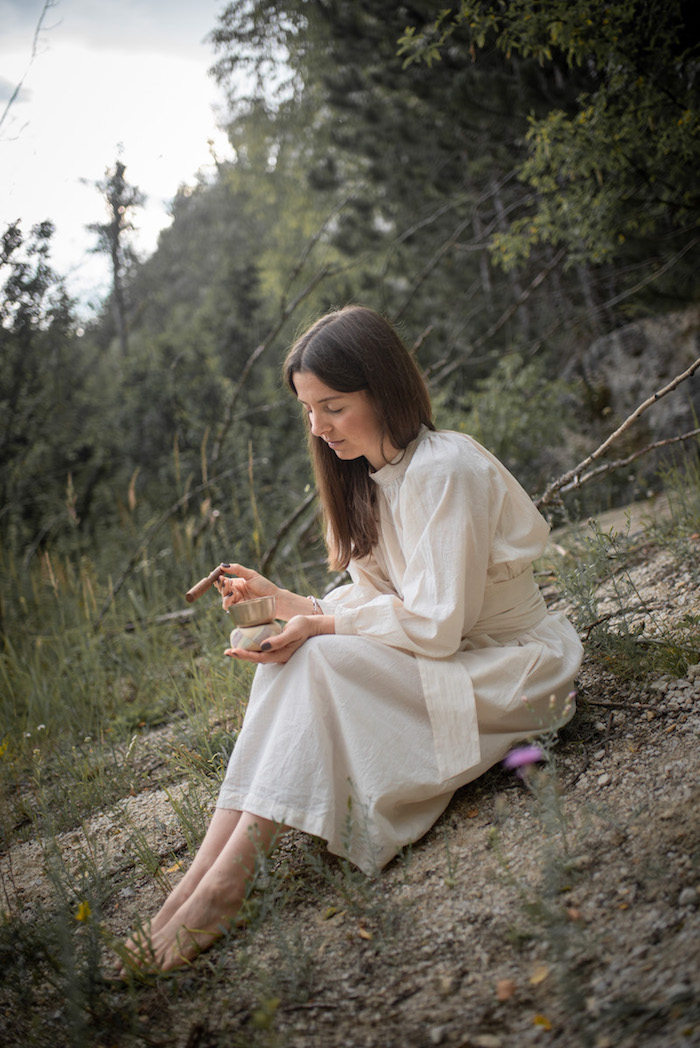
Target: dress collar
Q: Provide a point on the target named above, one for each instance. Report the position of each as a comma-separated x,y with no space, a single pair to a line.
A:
393,472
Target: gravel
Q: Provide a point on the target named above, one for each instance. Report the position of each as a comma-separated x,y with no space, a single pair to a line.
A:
564,910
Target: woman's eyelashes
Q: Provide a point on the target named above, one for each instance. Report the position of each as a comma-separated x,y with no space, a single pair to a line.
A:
329,411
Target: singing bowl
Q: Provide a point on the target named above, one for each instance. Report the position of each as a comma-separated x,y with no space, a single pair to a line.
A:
253,612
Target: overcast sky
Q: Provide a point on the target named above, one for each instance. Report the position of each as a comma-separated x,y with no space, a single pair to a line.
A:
111,78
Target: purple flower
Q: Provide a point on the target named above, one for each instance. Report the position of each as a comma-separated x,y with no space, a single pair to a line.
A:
523,757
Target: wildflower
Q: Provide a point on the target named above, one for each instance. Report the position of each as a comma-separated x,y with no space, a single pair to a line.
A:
41,727
83,912
522,758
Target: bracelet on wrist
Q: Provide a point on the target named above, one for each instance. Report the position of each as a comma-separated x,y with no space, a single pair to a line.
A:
317,609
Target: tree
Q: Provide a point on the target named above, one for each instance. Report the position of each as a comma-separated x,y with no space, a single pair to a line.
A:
621,164
121,201
421,167
41,412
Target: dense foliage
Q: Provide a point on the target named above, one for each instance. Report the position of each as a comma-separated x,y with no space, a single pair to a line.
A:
528,187
622,161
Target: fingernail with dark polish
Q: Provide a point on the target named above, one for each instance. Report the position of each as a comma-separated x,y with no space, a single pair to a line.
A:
265,646
225,565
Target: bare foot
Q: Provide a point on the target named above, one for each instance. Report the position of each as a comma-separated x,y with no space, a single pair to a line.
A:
206,902
203,918
137,952
175,946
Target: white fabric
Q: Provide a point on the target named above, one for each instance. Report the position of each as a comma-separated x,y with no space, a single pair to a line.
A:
362,737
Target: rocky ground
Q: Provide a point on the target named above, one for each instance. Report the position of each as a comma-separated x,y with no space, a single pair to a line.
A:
564,910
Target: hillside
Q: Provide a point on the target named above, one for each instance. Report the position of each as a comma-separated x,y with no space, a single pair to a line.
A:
561,912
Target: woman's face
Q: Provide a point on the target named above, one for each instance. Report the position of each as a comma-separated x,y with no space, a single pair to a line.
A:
346,421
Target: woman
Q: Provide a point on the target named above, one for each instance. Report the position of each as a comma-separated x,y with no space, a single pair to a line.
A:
374,705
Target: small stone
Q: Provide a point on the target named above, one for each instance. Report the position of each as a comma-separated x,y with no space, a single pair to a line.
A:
678,989
447,984
437,1034
486,1040
505,988
689,897
604,779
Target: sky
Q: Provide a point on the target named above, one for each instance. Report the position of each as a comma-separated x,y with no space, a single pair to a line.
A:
111,79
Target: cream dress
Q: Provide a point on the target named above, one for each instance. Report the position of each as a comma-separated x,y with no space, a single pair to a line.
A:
444,656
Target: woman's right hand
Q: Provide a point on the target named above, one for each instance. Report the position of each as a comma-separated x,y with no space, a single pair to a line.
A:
246,584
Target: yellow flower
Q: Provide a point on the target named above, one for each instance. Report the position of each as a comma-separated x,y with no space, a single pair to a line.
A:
83,912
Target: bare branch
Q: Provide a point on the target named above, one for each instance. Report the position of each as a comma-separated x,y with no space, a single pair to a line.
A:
313,240
608,467
48,4
284,529
480,243
285,314
570,477
641,284
287,308
433,262
504,317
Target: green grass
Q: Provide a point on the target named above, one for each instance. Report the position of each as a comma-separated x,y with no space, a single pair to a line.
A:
92,717
628,634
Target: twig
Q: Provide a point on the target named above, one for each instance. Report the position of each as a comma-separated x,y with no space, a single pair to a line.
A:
505,316
659,272
285,314
171,618
48,4
286,311
283,530
311,243
573,475
622,705
607,467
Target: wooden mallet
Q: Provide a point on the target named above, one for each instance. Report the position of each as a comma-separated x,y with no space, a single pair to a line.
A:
203,585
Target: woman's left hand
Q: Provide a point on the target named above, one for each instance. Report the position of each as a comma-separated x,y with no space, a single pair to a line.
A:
281,647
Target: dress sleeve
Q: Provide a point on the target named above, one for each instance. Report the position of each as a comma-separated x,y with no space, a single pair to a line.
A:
445,520
369,580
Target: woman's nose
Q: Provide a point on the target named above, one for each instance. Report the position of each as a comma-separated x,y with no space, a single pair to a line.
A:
316,427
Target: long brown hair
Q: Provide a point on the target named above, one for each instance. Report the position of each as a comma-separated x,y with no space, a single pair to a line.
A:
355,349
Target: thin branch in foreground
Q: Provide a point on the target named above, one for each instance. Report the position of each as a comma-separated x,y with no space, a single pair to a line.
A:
285,314
284,530
48,4
608,467
438,376
573,476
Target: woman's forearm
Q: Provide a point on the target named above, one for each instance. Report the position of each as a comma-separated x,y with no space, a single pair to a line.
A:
288,604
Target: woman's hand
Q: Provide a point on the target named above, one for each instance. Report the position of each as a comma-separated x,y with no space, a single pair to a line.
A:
280,649
245,585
